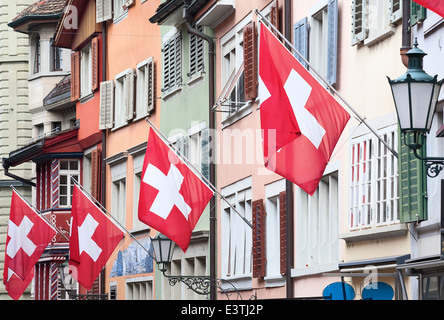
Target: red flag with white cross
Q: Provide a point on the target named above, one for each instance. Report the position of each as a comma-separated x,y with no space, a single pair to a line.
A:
172,197
94,236
435,5
28,236
301,121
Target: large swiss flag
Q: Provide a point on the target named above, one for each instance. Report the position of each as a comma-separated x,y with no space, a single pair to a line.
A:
28,236
301,121
435,5
172,196
94,236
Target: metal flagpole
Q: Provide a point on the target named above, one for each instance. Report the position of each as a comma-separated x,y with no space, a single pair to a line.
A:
94,200
209,184
326,82
39,213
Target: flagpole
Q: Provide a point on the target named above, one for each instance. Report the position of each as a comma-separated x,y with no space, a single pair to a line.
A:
95,201
39,213
209,184
326,82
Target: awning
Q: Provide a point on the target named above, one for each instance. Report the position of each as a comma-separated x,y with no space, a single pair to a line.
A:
418,265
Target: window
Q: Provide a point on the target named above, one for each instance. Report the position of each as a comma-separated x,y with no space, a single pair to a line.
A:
374,180
235,233
124,97
145,100
68,169
172,61
37,55
139,289
319,45
118,200
275,231
120,10
196,55
317,226
56,57
373,20
138,154
85,71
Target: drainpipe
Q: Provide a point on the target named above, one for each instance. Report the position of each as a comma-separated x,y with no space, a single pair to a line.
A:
289,184
406,31
103,166
13,176
211,54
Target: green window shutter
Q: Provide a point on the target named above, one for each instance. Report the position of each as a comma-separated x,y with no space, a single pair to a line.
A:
412,185
417,13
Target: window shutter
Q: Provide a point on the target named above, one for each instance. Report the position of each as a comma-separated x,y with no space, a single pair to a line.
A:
129,94
95,63
103,10
395,7
196,53
332,42
250,62
259,260
301,39
106,104
283,231
417,13
274,15
75,76
96,165
172,62
359,21
151,87
412,185
206,148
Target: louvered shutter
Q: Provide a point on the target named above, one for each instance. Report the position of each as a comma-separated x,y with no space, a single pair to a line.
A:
129,94
150,87
300,29
332,41
206,149
259,245
417,13
412,185
172,62
103,10
75,76
95,63
96,165
196,54
395,10
106,104
250,61
359,21
274,15
283,232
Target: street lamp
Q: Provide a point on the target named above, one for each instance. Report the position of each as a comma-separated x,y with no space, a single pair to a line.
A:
416,95
163,252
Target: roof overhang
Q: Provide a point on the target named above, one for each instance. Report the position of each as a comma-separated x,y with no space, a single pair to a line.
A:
26,23
217,13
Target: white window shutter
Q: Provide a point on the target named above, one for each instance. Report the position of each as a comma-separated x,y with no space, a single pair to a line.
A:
395,11
359,21
104,10
332,46
150,87
129,94
106,105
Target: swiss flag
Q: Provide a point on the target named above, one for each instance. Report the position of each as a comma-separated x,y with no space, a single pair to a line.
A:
93,239
301,121
172,196
28,236
435,5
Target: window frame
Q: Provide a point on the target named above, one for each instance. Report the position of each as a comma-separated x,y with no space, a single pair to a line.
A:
145,92
86,71
68,173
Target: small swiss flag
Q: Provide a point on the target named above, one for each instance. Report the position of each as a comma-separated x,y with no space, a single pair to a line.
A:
172,196
94,236
301,121
28,236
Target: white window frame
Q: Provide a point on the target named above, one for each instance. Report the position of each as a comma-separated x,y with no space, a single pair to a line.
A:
120,12
123,98
317,244
118,166
272,207
143,91
373,193
138,154
68,173
236,235
231,60
86,71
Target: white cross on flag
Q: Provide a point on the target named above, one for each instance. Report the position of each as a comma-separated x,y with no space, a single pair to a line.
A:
28,236
303,117
172,196
93,239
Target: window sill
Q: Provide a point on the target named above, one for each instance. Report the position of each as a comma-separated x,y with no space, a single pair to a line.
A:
121,17
387,32
233,283
274,281
375,233
171,92
242,112
311,270
86,97
196,78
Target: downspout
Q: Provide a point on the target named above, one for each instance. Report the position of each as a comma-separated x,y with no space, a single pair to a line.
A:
211,54
13,176
289,184
103,166
406,31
